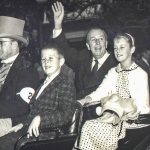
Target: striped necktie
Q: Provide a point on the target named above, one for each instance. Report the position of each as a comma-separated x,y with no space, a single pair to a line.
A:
3,73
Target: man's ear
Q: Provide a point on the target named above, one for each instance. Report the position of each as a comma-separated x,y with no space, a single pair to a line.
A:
106,44
14,45
62,61
88,47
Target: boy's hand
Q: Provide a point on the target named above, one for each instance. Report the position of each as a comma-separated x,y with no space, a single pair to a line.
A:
16,128
34,127
81,101
58,11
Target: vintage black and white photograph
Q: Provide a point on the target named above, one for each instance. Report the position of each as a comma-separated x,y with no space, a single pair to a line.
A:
74,74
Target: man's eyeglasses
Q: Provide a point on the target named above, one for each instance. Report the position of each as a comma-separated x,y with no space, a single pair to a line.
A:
4,42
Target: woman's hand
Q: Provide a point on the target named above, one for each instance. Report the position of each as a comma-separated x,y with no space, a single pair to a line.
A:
34,127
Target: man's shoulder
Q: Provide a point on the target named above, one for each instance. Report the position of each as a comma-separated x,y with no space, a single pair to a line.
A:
22,62
112,60
85,54
112,57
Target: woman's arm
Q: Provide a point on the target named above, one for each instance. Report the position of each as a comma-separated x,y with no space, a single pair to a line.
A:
106,88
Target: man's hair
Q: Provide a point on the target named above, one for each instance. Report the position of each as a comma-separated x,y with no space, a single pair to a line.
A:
53,45
20,45
92,29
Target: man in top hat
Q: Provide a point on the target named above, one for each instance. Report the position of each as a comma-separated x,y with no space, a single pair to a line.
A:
18,78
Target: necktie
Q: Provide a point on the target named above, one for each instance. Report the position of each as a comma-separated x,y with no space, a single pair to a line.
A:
3,73
41,88
95,67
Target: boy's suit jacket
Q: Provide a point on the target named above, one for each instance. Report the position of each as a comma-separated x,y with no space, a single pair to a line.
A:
55,105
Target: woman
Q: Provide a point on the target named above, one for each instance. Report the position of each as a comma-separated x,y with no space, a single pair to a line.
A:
127,81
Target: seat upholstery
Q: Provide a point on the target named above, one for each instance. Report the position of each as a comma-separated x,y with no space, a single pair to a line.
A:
54,139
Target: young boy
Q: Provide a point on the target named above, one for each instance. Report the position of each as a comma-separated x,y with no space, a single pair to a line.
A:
52,105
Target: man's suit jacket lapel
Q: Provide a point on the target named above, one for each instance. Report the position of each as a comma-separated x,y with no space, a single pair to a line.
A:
87,65
91,81
12,72
50,86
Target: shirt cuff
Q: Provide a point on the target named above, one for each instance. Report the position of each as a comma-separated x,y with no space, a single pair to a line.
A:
56,32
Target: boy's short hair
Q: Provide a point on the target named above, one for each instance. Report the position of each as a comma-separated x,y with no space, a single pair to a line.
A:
53,45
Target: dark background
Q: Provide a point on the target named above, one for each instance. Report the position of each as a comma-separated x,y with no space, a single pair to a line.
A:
132,16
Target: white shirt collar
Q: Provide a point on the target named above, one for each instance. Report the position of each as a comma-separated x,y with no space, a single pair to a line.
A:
10,59
100,60
47,81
